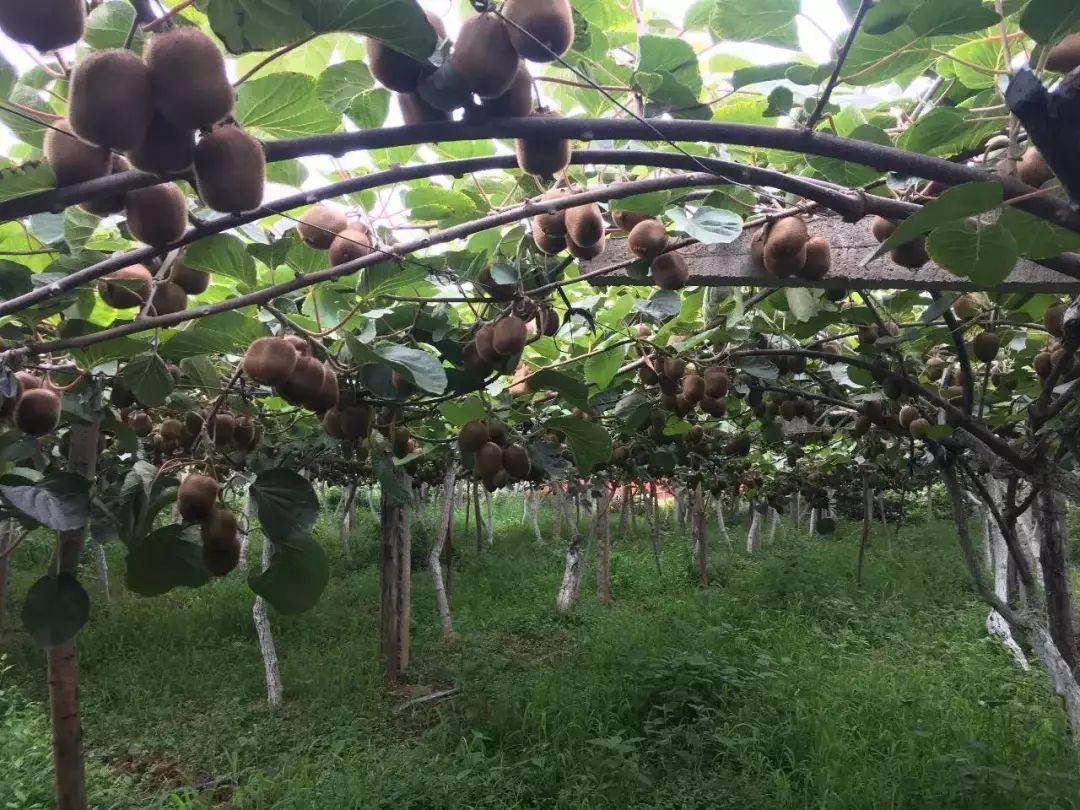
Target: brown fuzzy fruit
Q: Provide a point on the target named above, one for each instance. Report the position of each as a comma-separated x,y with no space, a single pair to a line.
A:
37,412
305,382
985,346
882,228
584,225
541,157
552,223
224,428
484,340
196,498
328,394
331,424
757,248
319,226
303,348
74,160
548,322
541,30
484,59
414,110
669,271
1054,319
965,307
911,254
1043,364
818,259
171,429
398,71
545,242
356,421
908,414
354,242
648,239
168,298
47,25
221,561
141,423
498,431
510,336
219,529
166,149
1033,168
129,287
515,460
191,85
628,220
110,100
270,360
114,203
586,252
473,436
488,460
230,170
517,101
156,215
1065,56
785,247
919,428
716,382
693,388
473,363
190,280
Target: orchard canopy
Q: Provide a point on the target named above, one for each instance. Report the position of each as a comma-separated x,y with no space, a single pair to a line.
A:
747,248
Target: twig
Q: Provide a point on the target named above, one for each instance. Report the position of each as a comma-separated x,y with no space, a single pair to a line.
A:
427,698
834,79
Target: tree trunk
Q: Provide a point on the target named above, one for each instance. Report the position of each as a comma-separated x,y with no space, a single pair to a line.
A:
813,521
1054,555
753,536
267,649
624,508
63,660
603,548
774,524
102,565
394,550
701,548
478,520
536,517
881,512
796,516
442,534
868,516
246,531
347,518
720,522
489,529
571,580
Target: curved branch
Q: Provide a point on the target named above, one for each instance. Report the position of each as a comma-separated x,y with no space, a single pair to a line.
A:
882,158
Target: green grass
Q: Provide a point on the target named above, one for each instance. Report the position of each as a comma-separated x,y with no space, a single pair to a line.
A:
781,686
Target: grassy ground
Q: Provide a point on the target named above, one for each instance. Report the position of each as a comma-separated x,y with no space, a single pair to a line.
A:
780,686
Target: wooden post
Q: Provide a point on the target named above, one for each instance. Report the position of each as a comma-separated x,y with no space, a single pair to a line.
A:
603,548
701,552
1054,555
394,580
442,535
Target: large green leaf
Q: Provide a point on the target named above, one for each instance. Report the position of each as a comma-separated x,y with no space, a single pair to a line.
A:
108,25
55,610
149,379
936,18
769,22
1047,20
711,226
284,105
573,391
224,254
287,504
423,368
296,578
18,181
588,441
60,501
600,369
984,253
170,557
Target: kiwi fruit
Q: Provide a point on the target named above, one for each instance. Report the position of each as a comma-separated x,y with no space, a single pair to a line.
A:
303,348
510,335
985,346
497,481
328,394
473,363
157,215
72,159
674,368
355,421
187,72
171,429
110,99
515,460
488,459
319,225
693,388
1043,364
818,259
414,110
545,242
965,307
484,59
140,423
796,365
114,203
47,25
168,298
911,254
398,71
757,248
785,247
586,252
244,434
270,360
484,339
196,497
223,429
221,559
553,222
788,410
1054,319
304,383
907,415
1033,168
739,445
584,225
219,528
166,149
230,170
882,228
516,102
37,412
122,396
331,424
669,271
354,242
498,431
541,30
190,280
473,435
919,428
628,220
648,239
548,322
1063,57
399,442
716,382
193,422
126,288
542,157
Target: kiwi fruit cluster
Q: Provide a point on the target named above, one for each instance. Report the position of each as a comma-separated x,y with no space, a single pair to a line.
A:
493,343
787,249
1065,56
287,365
196,502
348,422
398,71
326,228
497,461
132,286
911,254
35,407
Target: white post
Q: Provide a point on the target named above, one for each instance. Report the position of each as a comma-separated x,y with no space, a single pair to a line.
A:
266,637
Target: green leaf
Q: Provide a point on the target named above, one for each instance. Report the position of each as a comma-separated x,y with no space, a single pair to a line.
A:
600,369
986,254
149,379
79,226
668,69
55,610
107,26
60,501
287,504
574,392
1047,20
588,441
390,478
284,105
201,371
888,15
423,368
954,203
769,22
801,303
193,342
296,578
341,84
444,205
633,409
936,18
29,178
1036,238
711,226
256,25
851,174
888,57
401,24
224,254
457,413
170,557
940,132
